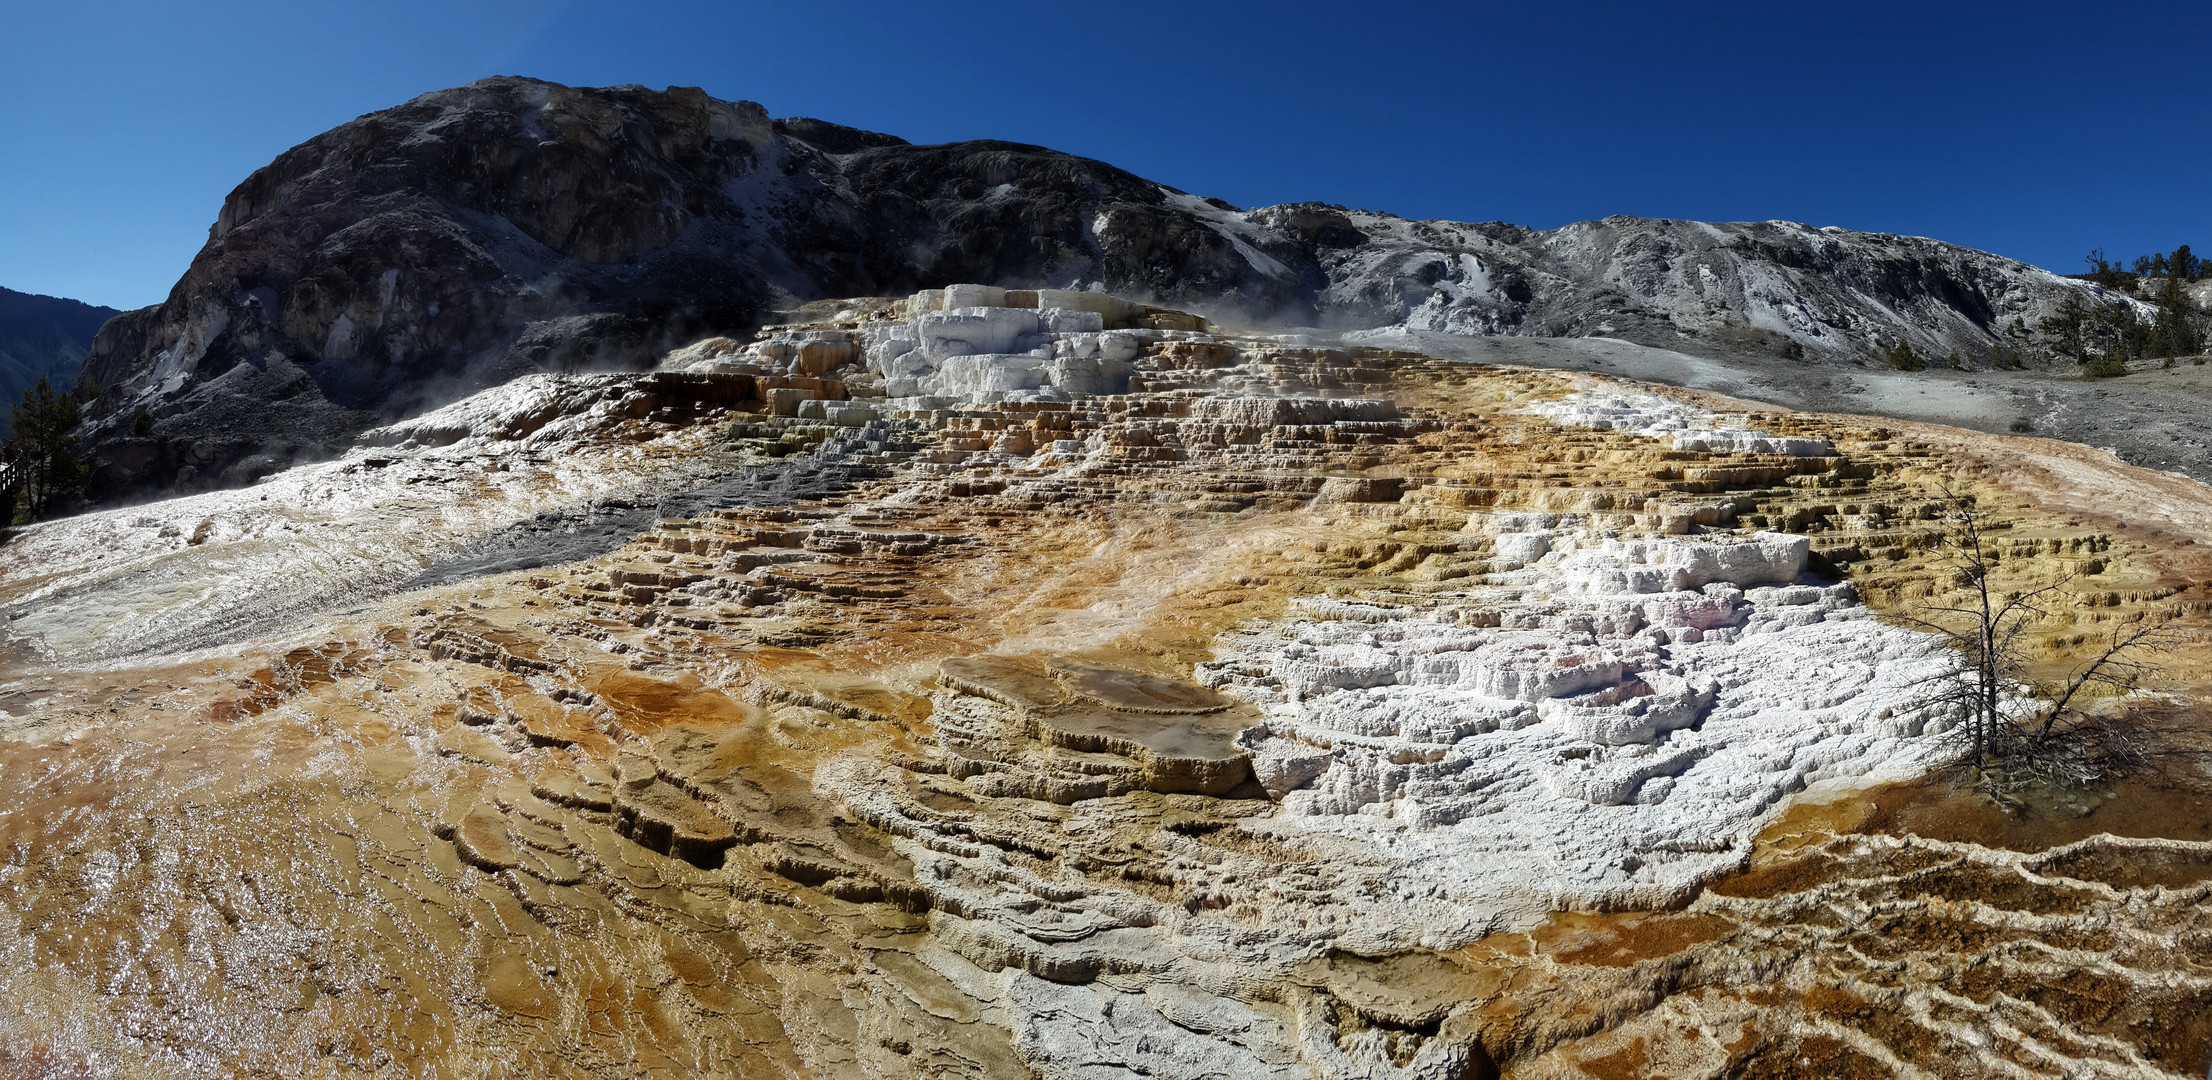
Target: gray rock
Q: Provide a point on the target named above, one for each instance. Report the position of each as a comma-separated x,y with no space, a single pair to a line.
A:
511,226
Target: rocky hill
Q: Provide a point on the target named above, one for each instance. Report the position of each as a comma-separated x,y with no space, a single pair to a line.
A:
1776,287
43,336
514,226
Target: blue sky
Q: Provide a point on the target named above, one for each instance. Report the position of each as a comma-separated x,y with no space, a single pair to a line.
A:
2034,130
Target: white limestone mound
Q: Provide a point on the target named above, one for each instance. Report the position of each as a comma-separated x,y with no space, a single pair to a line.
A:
545,410
1629,712
1268,413
1609,407
1521,547
1610,729
960,345
323,537
1658,565
990,354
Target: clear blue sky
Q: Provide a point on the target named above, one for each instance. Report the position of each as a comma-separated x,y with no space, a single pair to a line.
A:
2030,129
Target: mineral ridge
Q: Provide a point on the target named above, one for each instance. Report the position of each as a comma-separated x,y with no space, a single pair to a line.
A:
1036,683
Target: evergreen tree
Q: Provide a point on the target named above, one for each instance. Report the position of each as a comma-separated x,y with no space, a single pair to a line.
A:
2066,324
1901,357
2110,273
46,449
2108,366
2173,331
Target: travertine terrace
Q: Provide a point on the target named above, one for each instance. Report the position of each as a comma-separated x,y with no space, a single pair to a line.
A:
989,683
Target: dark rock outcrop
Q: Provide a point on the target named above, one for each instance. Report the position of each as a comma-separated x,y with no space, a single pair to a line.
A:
512,225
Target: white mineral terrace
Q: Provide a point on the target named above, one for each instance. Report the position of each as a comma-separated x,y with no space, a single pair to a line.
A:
1608,722
329,535
963,346
1610,407
1609,726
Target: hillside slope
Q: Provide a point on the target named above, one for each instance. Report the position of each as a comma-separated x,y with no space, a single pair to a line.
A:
513,226
42,336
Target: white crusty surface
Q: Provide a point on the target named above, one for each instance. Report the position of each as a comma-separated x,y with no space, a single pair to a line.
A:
1616,407
183,572
1609,729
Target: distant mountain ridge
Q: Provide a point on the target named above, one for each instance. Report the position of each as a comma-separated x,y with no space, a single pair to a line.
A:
513,225
43,336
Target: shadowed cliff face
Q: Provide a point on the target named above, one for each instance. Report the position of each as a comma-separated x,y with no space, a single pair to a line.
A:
514,226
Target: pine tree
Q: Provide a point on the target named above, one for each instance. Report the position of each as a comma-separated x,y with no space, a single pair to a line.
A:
2066,324
2173,330
46,449
1900,356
